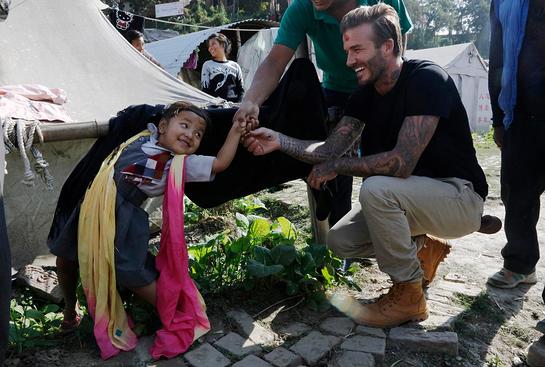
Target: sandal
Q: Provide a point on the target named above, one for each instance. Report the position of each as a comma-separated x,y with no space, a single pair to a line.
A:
69,326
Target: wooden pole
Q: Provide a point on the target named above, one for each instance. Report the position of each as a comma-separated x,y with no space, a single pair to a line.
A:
73,131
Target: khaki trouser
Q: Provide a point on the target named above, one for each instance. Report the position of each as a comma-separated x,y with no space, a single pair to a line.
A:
391,210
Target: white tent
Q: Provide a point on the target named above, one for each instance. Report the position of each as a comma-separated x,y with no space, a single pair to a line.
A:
172,53
70,44
253,52
470,74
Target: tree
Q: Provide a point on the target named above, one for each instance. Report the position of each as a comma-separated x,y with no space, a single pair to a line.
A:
477,23
200,14
430,18
446,22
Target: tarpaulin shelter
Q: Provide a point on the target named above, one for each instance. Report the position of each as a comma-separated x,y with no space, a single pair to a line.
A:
470,74
70,44
172,53
253,53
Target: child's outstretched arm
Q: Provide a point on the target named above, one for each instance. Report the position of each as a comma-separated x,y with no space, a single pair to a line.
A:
228,150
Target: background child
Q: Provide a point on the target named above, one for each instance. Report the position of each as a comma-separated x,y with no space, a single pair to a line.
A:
180,131
221,77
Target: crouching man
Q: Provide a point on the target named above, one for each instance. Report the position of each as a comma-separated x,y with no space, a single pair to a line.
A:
421,174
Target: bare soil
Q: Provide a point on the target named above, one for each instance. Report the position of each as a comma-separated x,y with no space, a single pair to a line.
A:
494,328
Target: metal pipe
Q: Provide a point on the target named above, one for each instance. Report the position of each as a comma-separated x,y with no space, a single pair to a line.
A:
73,131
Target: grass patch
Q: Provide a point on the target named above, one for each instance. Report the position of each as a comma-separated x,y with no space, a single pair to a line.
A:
484,140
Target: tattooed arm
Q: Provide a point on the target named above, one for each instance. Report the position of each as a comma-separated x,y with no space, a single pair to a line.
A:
263,141
414,135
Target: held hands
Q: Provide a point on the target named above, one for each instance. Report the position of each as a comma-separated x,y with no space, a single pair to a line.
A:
239,128
321,173
262,141
247,115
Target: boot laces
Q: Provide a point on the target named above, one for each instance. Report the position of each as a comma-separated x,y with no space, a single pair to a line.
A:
392,297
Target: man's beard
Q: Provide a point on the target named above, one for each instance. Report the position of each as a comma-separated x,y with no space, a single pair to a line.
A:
376,67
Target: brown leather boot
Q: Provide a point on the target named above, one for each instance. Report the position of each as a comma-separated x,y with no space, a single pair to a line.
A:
432,252
404,302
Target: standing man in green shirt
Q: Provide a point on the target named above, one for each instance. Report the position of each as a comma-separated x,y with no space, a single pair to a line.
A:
318,19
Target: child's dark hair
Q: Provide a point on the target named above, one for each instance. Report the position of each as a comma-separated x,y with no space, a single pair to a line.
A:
133,34
177,107
222,40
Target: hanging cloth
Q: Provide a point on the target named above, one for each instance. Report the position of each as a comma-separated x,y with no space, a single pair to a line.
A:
179,303
512,16
96,234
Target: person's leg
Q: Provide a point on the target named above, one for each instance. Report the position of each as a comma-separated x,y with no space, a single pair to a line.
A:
5,264
339,190
5,283
396,209
522,183
341,199
337,201
349,238
67,273
148,292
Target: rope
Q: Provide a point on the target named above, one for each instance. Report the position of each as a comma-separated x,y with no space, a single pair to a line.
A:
19,136
157,20
202,26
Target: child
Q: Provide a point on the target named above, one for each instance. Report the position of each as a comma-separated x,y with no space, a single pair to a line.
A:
221,77
139,170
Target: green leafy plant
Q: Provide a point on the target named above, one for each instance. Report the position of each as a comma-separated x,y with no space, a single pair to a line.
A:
265,254
32,325
275,258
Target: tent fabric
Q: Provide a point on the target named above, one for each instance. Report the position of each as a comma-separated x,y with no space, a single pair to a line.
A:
70,44
295,108
128,123
172,53
470,74
253,52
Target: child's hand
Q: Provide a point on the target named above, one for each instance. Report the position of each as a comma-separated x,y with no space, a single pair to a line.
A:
242,128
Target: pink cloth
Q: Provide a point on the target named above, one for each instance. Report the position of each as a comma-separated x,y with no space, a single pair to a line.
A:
33,102
179,303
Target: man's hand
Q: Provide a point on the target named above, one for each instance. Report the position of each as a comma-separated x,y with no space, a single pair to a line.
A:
247,115
262,141
498,136
321,173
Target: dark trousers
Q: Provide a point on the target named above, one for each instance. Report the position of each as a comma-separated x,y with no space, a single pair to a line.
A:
340,188
522,183
5,283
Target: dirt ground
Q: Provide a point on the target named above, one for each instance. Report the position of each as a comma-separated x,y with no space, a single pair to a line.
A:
494,328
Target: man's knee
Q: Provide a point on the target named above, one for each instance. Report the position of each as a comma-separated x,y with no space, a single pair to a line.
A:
375,188
336,241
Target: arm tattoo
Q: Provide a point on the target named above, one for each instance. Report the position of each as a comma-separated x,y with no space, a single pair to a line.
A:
414,136
341,139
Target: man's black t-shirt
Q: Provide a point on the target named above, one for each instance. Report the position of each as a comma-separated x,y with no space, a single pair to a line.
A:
423,89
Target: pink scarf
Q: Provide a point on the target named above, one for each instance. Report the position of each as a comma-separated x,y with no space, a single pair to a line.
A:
179,303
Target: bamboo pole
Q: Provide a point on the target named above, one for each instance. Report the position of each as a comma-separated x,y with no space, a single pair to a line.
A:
73,131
